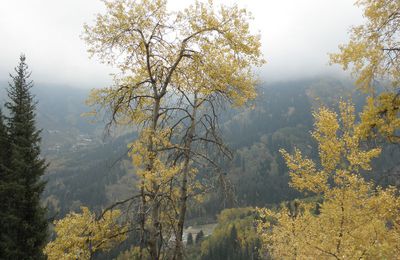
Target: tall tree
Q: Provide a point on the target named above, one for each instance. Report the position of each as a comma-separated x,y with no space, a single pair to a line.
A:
199,237
167,58
189,239
28,229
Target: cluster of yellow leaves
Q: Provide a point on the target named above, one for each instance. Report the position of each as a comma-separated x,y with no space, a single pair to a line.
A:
355,220
371,44
140,153
381,116
215,49
79,235
338,147
226,51
163,172
373,55
117,100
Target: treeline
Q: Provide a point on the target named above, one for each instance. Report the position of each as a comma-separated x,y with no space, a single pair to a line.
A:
233,238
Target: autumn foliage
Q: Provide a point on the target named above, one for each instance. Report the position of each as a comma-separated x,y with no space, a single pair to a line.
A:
356,219
80,235
373,57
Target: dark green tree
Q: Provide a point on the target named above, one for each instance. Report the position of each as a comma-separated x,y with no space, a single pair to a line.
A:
233,245
199,237
27,226
189,239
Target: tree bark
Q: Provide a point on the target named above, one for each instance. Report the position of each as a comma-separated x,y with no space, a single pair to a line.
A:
153,234
184,183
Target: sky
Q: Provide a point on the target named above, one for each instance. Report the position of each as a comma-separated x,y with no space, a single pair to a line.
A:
297,36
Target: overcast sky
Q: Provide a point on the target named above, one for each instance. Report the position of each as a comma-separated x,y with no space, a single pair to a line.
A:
297,36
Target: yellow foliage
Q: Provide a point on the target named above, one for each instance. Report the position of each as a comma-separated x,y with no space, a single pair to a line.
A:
163,55
372,54
79,235
160,172
381,116
372,45
213,51
355,220
338,147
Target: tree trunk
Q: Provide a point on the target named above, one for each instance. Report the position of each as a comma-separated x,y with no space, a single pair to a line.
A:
183,193
155,205
142,216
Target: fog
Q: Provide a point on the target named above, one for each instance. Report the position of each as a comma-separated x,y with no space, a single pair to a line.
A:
296,36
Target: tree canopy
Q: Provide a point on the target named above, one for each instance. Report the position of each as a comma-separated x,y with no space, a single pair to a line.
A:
356,219
373,56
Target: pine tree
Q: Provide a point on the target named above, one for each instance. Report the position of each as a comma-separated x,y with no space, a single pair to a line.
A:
27,223
233,250
189,239
199,237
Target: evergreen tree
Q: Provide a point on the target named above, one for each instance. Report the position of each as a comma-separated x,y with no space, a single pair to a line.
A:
233,245
199,237
189,239
27,226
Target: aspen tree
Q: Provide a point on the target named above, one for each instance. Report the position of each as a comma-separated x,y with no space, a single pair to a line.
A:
165,58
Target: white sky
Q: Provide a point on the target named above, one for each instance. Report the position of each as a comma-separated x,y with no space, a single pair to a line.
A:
297,36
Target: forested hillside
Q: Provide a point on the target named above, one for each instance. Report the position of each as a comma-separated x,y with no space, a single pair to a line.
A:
89,166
